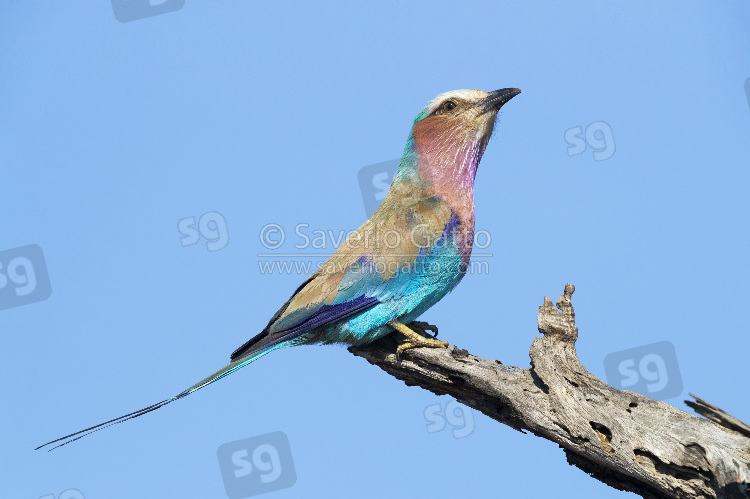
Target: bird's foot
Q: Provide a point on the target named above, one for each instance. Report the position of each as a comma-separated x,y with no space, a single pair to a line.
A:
424,342
415,340
422,328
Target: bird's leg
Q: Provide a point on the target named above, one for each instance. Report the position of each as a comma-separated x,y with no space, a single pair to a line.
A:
422,328
415,340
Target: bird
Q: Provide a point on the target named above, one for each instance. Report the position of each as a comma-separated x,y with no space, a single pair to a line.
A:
412,252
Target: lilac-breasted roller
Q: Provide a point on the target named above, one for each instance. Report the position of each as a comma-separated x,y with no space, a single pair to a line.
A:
412,252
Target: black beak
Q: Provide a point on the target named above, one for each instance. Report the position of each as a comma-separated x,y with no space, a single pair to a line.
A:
496,99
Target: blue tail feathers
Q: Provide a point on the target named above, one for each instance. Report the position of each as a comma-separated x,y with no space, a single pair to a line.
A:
224,371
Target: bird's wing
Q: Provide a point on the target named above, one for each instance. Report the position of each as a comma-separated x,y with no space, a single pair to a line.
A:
356,276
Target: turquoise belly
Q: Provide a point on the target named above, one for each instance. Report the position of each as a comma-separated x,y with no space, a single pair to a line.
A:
404,297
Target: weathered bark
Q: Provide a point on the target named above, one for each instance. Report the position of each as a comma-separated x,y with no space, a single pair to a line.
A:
624,439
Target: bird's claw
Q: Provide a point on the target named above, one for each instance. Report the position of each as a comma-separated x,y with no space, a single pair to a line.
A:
415,339
425,342
422,328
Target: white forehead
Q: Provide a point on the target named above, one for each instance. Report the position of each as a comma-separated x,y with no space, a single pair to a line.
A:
471,95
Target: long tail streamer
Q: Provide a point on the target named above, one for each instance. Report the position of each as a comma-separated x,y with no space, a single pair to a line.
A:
224,371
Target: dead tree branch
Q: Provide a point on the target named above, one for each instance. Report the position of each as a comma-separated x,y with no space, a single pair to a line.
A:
624,439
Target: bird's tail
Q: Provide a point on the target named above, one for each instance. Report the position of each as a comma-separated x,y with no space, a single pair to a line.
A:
250,357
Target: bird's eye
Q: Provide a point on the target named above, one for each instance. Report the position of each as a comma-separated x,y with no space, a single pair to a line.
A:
448,105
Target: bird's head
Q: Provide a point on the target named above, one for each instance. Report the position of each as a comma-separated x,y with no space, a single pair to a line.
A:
463,111
449,136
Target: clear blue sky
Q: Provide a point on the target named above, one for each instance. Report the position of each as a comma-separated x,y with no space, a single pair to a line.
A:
111,133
